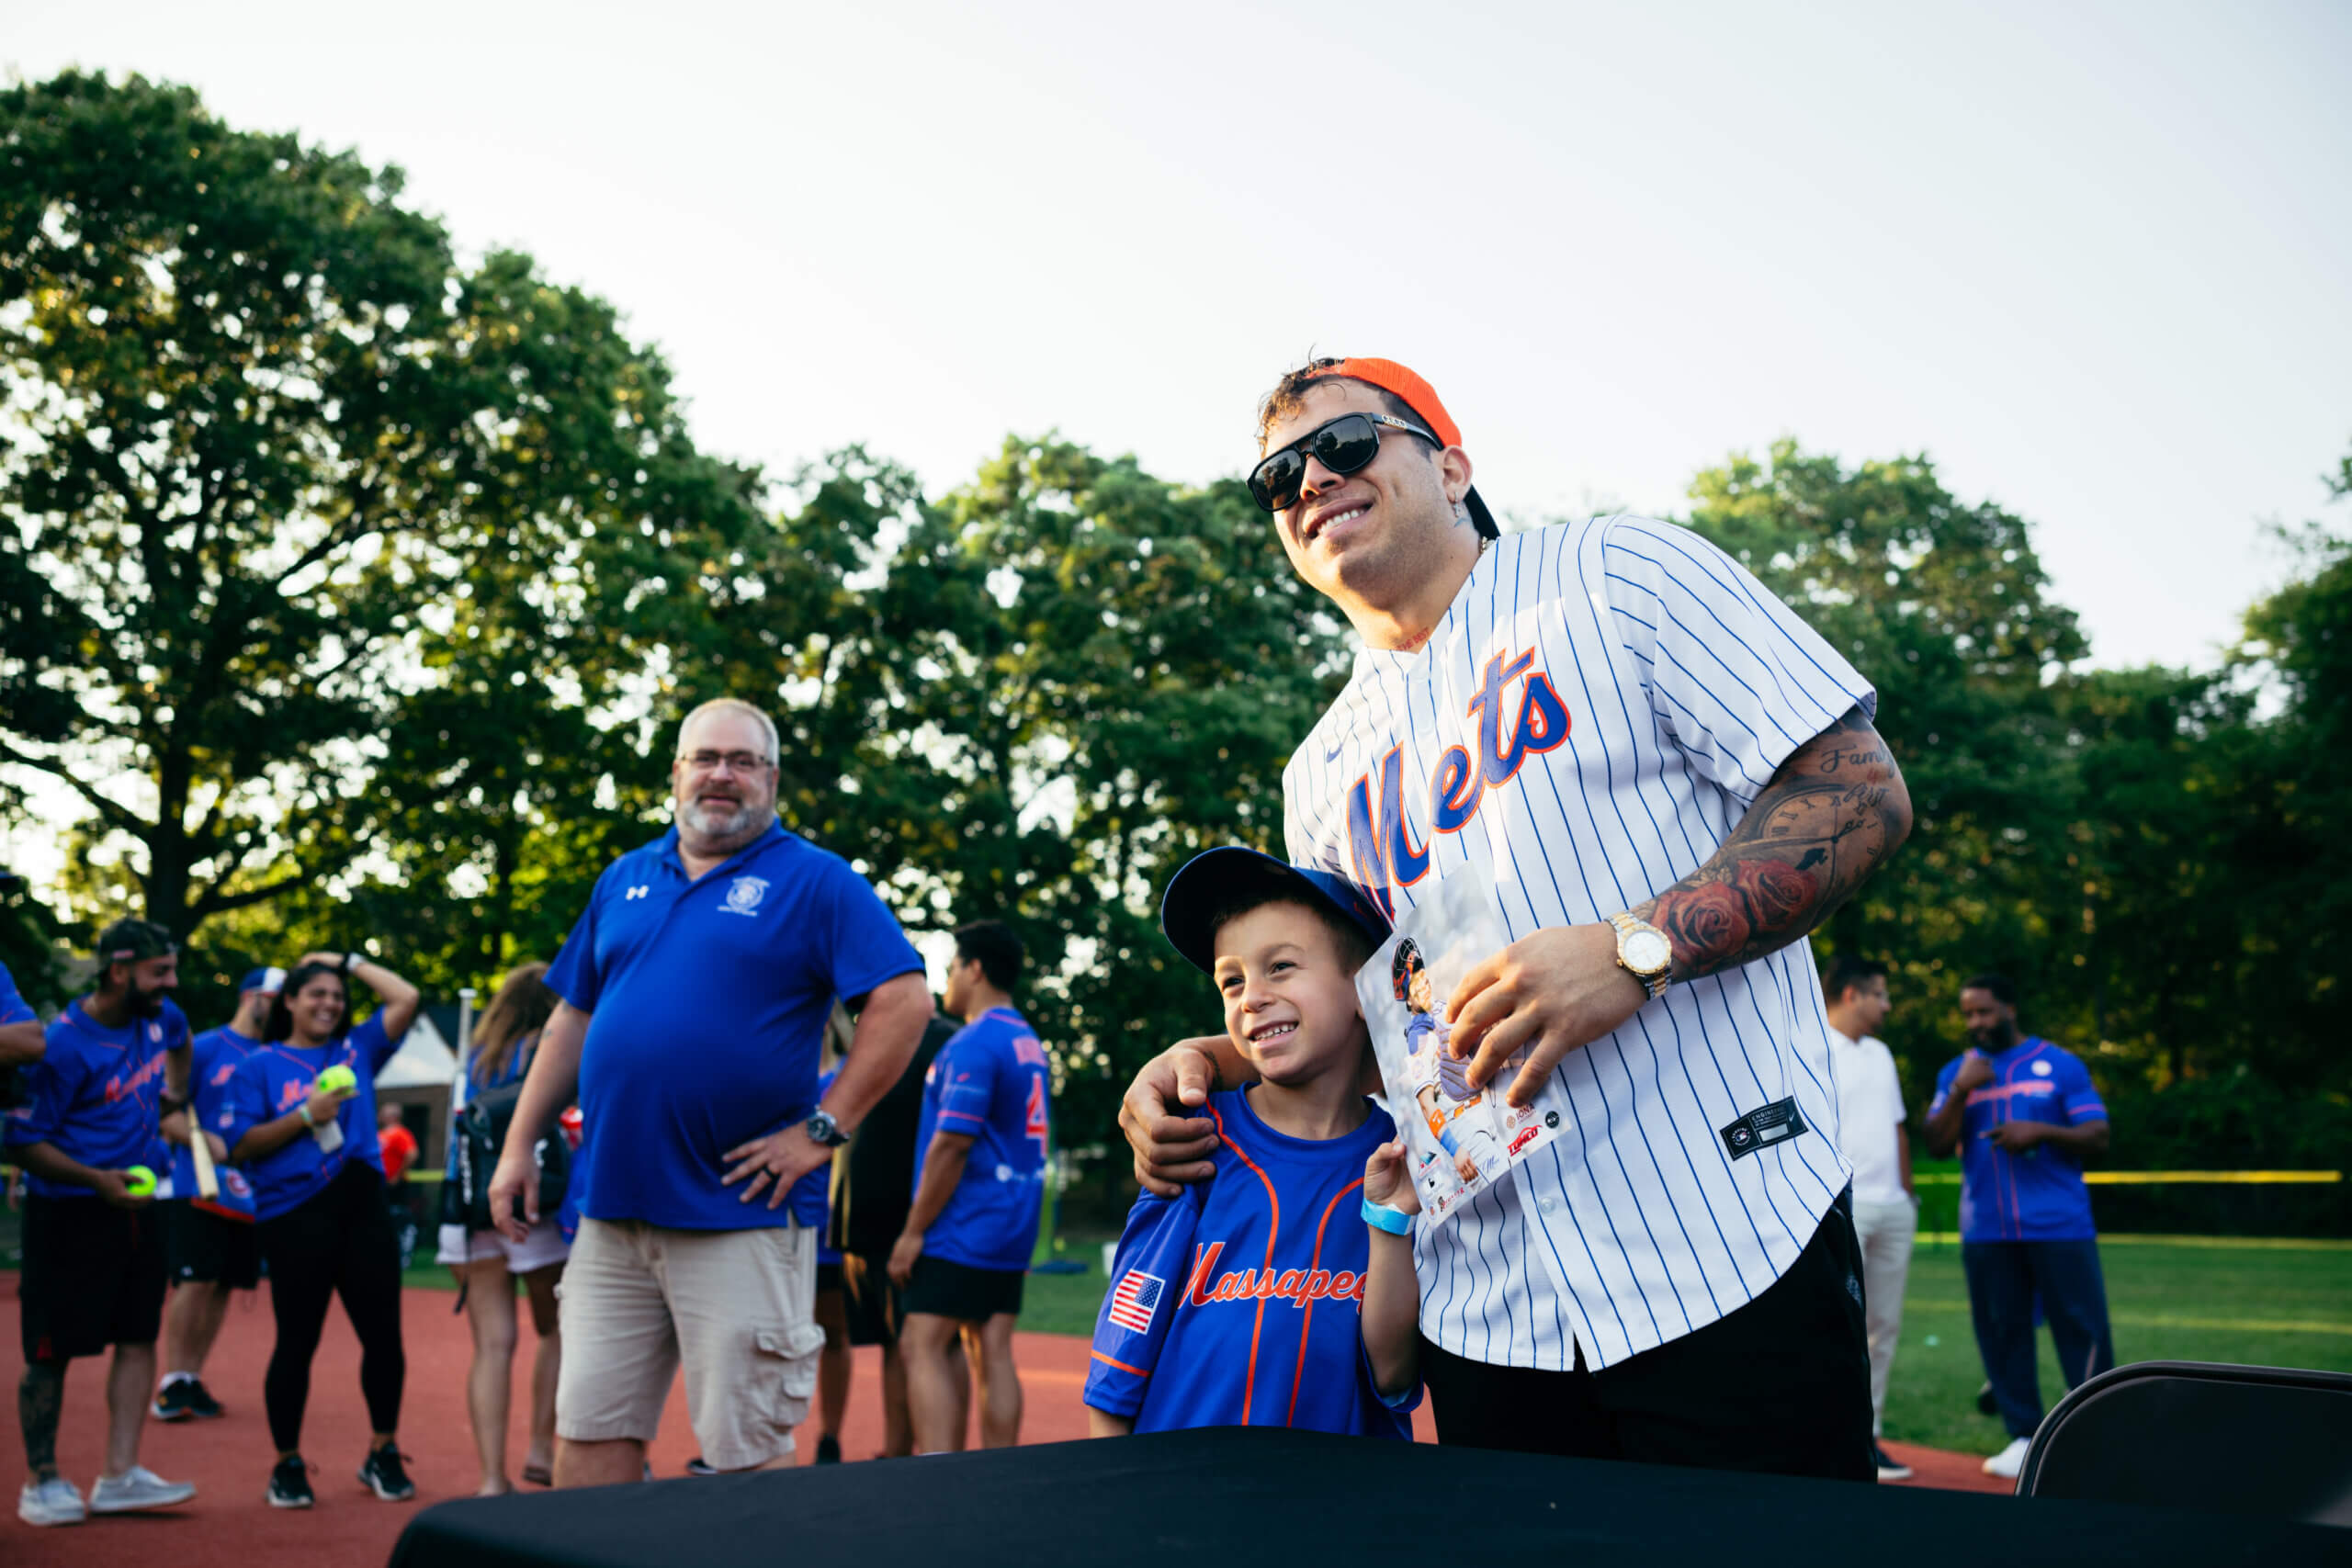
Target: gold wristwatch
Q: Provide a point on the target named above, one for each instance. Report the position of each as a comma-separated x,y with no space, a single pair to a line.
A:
1643,952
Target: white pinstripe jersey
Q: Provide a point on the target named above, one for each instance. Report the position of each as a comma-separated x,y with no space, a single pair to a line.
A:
1601,705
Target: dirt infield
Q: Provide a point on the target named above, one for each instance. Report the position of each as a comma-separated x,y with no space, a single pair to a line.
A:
229,1525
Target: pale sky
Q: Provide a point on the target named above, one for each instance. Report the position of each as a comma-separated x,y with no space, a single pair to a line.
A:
2091,259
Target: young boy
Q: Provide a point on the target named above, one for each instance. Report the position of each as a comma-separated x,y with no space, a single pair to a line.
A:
1279,1292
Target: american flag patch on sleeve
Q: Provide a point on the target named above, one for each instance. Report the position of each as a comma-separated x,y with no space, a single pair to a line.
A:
1137,1298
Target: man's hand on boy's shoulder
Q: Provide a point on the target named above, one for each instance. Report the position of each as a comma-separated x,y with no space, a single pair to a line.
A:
1172,1151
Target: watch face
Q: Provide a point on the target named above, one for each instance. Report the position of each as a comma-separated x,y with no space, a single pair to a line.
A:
1647,952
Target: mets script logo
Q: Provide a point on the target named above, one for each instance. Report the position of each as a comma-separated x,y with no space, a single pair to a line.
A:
1380,837
743,895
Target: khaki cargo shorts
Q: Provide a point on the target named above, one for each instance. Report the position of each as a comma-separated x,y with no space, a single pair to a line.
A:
735,1307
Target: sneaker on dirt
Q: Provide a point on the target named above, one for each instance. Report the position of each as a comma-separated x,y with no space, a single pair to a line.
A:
382,1475
289,1485
137,1489
53,1502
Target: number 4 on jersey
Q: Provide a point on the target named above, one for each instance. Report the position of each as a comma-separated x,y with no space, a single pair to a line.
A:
1034,1125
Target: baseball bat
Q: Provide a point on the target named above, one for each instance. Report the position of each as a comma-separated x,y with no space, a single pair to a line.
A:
200,1147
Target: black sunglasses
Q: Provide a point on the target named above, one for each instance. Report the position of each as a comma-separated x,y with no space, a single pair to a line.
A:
1343,445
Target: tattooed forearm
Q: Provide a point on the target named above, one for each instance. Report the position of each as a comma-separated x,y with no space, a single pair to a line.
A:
41,1398
1830,817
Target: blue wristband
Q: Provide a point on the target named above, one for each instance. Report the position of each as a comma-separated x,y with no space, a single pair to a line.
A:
1387,1219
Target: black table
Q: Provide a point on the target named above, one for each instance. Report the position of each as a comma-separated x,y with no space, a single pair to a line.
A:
1231,1497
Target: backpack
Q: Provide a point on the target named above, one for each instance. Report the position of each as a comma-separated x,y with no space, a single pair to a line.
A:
479,1134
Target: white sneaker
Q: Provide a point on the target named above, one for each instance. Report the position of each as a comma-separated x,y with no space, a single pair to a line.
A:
135,1489
2010,1460
51,1502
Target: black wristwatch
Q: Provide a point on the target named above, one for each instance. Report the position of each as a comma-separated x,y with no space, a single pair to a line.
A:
824,1129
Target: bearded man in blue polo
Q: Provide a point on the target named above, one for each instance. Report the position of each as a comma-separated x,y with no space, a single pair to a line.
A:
695,989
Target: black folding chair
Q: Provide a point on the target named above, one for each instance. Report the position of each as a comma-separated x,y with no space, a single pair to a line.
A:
2268,1440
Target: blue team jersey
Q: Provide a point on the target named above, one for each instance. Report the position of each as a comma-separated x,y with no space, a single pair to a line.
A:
96,1095
826,1252
276,1078
708,999
2038,1195
217,1053
14,1008
989,1080
1239,1302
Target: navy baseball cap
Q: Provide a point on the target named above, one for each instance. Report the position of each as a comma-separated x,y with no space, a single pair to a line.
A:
1213,879
268,978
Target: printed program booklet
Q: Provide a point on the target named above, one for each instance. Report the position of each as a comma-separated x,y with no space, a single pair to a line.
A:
1458,1140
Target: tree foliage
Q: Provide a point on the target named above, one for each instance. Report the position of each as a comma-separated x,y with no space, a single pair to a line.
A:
2117,842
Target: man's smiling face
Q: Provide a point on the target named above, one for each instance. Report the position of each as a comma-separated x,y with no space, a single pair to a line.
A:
735,796
1370,536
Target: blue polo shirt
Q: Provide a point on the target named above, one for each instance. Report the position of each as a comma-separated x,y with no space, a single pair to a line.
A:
217,1053
2038,1195
96,1095
709,999
988,1081
278,1077
14,1008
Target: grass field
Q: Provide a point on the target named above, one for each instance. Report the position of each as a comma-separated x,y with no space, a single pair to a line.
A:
2171,1298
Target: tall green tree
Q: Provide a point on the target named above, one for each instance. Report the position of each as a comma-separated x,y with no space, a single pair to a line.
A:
303,496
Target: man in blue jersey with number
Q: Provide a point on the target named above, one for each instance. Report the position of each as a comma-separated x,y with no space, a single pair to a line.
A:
979,1190
2025,1115
209,1245
1281,1292
90,1141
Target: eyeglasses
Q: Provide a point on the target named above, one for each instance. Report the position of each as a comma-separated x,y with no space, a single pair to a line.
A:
1343,445
736,762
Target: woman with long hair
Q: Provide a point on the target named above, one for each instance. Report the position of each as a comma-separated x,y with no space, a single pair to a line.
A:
486,1262
309,1152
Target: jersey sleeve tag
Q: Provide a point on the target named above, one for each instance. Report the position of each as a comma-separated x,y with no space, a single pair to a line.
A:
1764,1126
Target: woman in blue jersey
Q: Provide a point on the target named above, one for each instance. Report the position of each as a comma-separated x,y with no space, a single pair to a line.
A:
317,1180
487,1263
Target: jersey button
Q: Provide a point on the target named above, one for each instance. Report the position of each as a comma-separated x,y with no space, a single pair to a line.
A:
1548,1203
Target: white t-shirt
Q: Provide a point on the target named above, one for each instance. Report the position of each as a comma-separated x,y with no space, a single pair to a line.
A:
1870,1107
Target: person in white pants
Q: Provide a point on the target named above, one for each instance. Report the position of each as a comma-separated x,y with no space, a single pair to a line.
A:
1870,1133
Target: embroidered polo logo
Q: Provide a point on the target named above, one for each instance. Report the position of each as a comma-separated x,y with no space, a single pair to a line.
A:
637,892
743,895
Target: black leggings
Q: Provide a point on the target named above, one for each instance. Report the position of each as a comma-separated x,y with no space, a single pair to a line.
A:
338,1243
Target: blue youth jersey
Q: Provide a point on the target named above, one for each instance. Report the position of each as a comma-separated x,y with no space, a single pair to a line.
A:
276,1078
217,1053
709,998
989,1080
2037,1195
1240,1303
96,1095
14,1008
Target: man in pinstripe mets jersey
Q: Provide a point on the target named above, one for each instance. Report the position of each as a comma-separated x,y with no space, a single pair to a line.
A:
1666,779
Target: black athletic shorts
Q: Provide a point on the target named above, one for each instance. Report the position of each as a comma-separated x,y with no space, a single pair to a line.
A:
92,1277
1780,1384
956,1291
869,1300
203,1248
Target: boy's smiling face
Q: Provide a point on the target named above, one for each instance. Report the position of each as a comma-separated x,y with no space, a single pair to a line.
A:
1290,994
